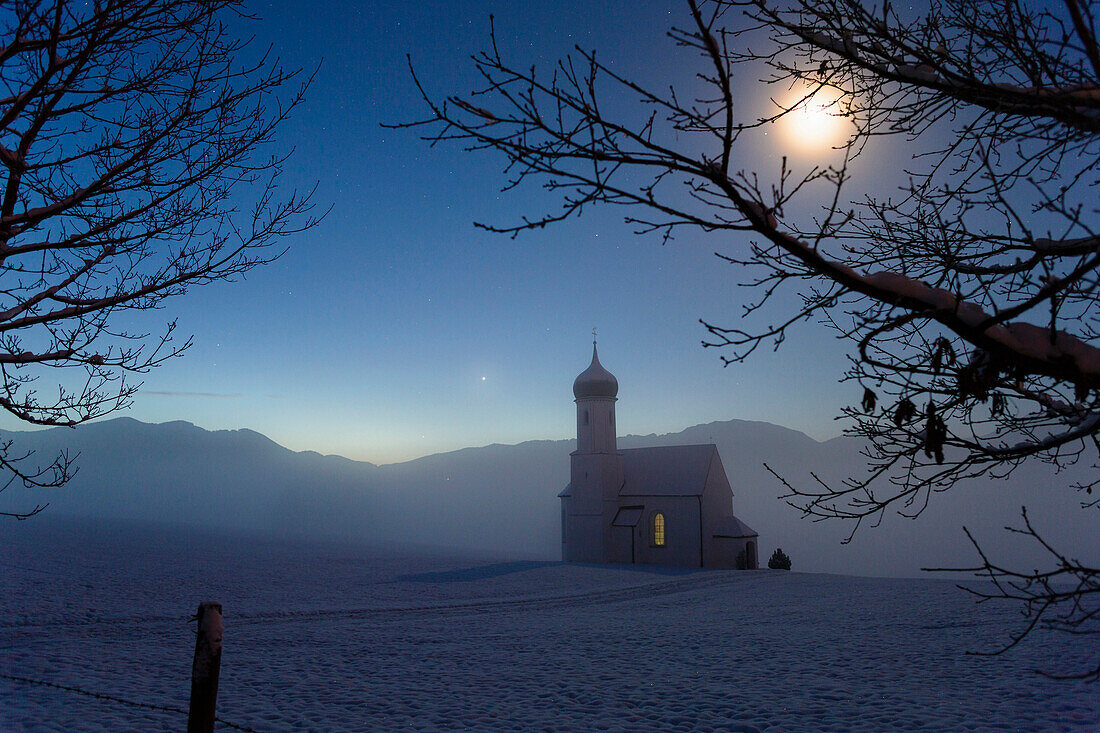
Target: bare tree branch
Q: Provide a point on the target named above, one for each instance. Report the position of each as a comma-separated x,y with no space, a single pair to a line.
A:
131,134
969,298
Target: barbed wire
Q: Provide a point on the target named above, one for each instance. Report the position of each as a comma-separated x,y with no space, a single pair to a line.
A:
112,698
30,622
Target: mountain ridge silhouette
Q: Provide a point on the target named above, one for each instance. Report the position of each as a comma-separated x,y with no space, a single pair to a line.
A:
502,499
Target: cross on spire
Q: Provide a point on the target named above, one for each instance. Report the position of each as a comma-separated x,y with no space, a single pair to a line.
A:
593,335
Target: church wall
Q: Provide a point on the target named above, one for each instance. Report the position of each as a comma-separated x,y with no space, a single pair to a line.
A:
681,531
583,538
724,551
596,425
717,503
564,527
593,478
620,548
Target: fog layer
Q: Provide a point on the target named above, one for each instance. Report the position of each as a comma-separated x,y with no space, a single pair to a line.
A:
502,499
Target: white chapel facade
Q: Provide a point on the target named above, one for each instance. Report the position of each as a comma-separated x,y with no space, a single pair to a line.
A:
670,505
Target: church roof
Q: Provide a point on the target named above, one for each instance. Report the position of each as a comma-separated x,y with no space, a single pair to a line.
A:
595,381
669,470
734,528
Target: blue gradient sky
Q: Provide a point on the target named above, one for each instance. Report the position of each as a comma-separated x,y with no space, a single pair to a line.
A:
396,328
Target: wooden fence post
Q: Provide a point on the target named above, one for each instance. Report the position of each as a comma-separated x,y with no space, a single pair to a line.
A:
207,666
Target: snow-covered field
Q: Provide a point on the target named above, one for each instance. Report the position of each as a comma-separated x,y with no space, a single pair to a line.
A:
332,638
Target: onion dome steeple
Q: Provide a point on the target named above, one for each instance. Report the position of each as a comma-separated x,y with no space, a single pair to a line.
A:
595,381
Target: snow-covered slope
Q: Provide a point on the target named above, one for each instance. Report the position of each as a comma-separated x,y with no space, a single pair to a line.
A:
335,638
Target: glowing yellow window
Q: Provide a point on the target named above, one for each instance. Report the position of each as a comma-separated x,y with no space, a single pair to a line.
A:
659,529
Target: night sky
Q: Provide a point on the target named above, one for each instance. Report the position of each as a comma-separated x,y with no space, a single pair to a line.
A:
397,329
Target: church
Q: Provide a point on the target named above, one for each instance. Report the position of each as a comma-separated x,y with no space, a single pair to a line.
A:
670,505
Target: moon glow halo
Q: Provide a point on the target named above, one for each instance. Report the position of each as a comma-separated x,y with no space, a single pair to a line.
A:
816,122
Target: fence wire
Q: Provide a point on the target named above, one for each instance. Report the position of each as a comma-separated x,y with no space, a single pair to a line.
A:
119,700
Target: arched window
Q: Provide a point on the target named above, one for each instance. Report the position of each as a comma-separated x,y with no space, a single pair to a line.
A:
585,420
658,530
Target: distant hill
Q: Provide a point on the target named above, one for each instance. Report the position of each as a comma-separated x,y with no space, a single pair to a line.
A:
503,498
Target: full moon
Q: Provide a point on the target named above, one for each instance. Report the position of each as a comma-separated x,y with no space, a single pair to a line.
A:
815,123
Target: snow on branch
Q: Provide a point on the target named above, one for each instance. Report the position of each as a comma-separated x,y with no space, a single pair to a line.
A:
1040,349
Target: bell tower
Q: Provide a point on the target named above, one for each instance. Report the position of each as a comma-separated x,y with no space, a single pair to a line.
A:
595,391
596,471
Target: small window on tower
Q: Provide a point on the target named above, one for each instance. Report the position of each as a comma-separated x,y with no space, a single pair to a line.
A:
584,420
658,530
